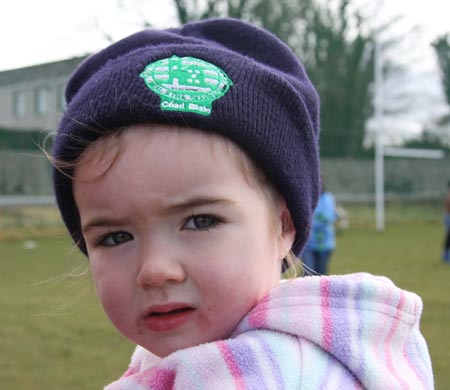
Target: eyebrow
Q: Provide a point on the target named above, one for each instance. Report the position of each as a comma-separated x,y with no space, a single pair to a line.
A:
102,221
171,209
197,202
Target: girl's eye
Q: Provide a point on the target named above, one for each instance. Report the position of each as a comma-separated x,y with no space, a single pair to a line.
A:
201,222
114,239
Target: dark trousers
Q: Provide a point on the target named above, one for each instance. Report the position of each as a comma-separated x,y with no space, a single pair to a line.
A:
446,256
446,252
316,261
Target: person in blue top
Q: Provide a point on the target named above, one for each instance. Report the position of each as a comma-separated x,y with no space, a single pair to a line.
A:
322,239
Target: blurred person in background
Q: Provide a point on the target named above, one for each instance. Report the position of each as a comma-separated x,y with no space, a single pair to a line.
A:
322,239
446,252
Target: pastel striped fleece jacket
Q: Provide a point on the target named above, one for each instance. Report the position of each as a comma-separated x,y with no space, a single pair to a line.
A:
339,332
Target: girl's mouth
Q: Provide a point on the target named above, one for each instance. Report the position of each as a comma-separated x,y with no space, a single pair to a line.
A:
164,319
172,312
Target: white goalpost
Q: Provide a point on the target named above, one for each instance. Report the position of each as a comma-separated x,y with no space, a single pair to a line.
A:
382,151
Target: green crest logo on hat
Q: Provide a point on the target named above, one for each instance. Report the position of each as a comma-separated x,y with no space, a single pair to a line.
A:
186,84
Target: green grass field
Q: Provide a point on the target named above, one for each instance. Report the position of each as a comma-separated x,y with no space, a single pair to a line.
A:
54,335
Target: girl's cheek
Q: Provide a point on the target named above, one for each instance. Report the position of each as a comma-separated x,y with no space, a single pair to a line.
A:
111,292
103,276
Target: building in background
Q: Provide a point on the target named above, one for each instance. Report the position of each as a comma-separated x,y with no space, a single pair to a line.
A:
31,104
32,98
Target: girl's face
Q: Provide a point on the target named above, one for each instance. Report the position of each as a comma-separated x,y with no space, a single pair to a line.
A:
180,245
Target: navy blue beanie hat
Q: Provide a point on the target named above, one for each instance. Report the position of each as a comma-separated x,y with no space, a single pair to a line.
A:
221,75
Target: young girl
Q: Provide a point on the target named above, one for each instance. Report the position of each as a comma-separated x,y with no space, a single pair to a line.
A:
187,171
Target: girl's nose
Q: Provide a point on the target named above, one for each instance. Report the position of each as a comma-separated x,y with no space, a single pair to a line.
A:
158,266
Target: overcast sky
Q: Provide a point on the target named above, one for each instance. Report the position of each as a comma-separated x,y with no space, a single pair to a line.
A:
37,31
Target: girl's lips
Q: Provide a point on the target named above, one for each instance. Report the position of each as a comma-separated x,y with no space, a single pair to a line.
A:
167,317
